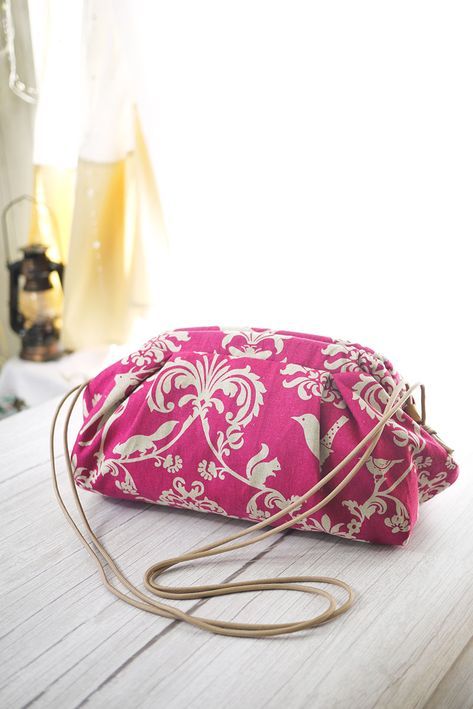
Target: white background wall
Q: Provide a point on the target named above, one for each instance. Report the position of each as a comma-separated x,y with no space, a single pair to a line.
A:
315,161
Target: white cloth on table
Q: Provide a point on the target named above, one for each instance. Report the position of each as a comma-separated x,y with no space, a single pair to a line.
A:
35,382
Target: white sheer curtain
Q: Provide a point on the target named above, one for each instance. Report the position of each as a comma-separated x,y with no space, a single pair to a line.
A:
314,164
314,161
92,168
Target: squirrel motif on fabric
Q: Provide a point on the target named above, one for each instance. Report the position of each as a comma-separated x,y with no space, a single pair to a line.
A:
142,443
258,469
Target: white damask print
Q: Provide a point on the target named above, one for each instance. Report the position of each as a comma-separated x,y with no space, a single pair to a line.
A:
413,440
142,363
217,396
450,463
211,380
207,383
257,343
191,499
123,382
311,430
321,448
128,485
370,396
428,487
398,523
209,471
326,441
258,469
325,525
378,501
143,444
154,350
83,477
272,500
313,382
345,356
171,463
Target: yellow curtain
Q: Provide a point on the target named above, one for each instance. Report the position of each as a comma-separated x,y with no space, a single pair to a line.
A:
98,264
101,213
107,213
54,187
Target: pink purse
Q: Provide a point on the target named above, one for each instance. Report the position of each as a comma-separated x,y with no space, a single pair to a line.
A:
279,428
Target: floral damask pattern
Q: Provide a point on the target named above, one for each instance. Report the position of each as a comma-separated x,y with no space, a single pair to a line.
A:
313,382
191,499
242,423
253,344
348,357
155,350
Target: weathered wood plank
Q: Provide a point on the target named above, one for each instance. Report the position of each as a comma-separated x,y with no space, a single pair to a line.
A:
66,641
455,690
59,624
412,619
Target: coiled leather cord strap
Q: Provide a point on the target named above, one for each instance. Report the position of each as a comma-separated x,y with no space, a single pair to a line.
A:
136,597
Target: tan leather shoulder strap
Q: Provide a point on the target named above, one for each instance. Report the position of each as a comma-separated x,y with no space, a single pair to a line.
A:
136,597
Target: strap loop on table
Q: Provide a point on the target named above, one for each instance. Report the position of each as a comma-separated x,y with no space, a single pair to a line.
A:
138,599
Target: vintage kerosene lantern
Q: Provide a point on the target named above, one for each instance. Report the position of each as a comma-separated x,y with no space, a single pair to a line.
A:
35,300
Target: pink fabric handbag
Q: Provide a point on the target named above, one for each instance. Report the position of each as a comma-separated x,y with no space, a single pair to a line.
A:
246,423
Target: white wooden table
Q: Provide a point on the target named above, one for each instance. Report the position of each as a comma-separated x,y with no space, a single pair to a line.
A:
66,642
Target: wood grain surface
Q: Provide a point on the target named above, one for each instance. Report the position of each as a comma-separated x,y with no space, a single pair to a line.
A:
67,642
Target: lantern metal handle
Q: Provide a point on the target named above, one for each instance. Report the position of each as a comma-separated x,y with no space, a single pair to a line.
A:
17,320
16,201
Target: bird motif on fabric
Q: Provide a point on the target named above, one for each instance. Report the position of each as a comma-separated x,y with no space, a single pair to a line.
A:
380,466
320,447
122,383
311,428
327,440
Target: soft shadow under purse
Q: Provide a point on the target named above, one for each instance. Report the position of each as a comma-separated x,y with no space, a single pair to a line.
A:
281,428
